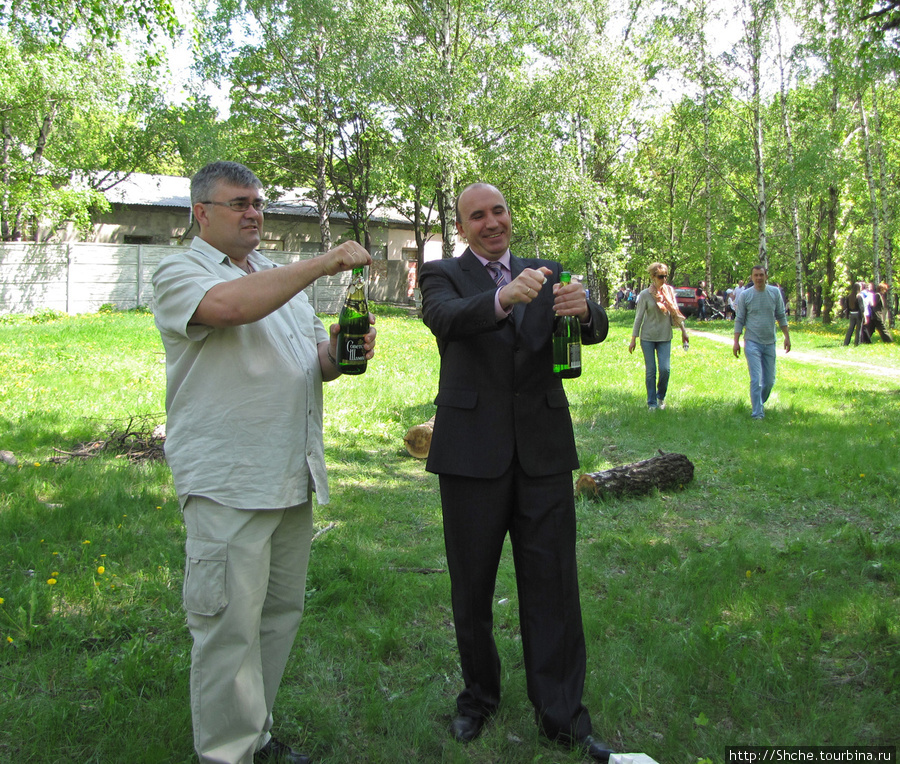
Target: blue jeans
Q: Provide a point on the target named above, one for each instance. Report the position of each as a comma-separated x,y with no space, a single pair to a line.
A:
761,363
656,391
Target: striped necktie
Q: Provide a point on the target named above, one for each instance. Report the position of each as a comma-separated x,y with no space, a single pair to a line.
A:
496,271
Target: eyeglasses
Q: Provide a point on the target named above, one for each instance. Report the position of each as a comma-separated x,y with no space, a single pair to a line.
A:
662,275
242,205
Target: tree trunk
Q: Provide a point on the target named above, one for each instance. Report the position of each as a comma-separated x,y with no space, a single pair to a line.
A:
755,39
707,170
832,213
886,213
874,210
795,215
5,234
666,471
447,214
759,156
321,182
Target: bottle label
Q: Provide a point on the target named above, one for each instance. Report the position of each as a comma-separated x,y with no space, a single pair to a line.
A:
574,355
353,349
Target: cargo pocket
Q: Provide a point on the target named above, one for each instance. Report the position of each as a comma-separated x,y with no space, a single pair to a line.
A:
204,578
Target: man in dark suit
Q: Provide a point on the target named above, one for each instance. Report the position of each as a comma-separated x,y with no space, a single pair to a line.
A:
504,449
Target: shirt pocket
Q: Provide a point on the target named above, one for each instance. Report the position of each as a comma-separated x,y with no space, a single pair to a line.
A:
204,580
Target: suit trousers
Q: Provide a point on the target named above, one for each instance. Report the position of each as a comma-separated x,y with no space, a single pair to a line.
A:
539,515
244,586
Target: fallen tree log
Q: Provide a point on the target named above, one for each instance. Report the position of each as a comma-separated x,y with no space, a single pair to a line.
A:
418,439
662,472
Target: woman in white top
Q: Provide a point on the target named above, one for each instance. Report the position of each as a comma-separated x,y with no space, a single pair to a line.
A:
657,311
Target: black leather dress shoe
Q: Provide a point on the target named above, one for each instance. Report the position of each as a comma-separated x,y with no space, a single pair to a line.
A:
594,748
466,728
276,752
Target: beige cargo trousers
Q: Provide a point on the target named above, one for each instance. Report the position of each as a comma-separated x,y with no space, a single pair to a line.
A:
244,586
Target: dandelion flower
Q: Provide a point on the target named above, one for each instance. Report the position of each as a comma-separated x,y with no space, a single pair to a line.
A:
101,570
9,639
51,581
86,541
55,573
749,573
2,600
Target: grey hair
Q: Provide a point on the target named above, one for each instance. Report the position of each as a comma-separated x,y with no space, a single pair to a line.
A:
204,181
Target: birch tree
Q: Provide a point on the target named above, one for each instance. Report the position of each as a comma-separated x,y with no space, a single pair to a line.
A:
793,201
756,18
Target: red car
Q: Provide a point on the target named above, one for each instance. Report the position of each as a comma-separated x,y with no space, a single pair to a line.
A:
686,297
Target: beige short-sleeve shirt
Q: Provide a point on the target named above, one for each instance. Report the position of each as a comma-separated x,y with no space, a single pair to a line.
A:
244,403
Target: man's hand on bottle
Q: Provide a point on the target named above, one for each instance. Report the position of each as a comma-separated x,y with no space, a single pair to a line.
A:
368,342
571,300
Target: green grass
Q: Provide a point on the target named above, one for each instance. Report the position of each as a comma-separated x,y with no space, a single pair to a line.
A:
760,605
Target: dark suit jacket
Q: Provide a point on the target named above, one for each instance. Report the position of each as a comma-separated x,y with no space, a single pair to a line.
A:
498,395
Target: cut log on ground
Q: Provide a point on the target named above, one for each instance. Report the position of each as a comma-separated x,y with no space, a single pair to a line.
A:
418,439
663,472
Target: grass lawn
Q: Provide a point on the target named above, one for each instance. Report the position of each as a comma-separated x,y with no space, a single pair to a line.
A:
760,605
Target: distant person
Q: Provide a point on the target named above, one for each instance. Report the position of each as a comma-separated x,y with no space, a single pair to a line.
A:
657,313
879,318
700,292
758,309
865,295
855,312
739,288
729,304
504,450
246,356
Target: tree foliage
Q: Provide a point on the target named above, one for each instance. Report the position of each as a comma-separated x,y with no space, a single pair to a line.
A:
700,133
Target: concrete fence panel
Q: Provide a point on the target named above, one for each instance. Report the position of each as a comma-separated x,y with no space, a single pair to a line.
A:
82,277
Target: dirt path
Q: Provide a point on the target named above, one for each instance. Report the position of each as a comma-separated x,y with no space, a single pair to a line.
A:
808,357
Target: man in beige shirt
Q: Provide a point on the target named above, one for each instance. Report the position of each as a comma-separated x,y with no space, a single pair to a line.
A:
245,360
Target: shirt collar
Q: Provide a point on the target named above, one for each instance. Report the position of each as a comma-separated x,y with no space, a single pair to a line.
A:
205,248
504,260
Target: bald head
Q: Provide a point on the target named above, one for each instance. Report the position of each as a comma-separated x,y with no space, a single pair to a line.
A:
483,220
473,186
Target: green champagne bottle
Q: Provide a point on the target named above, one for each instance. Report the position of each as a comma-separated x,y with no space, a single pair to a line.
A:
566,341
354,323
